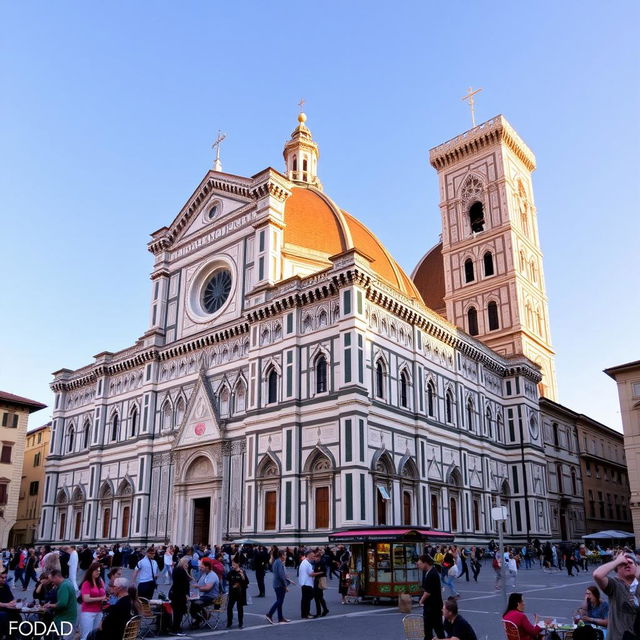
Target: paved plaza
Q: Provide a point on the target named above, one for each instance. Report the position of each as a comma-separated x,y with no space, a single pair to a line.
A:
549,594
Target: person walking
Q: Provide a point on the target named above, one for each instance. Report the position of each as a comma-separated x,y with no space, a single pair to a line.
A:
167,569
92,595
260,564
280,586
146,573
319,585
464,563
450,572
30,569
476,565
431,599
305,580
238,583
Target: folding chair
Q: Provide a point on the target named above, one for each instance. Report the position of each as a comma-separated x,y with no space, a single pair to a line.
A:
132,628
413,627
511,631
215,611
148,619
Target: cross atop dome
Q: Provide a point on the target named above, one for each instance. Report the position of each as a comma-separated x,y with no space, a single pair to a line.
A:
301,154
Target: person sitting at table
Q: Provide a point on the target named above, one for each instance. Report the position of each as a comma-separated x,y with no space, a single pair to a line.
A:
594,611
117,615
209,588
45,590
515,614
455,626
8,609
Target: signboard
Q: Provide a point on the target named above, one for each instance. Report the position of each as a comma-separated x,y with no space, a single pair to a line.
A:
499,513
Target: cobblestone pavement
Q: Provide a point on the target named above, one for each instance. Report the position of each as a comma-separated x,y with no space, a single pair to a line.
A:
549,594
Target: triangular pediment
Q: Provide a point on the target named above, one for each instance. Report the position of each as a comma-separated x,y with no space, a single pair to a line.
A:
234,191
201,424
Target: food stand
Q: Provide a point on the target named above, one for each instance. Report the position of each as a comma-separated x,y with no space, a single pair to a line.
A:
383,559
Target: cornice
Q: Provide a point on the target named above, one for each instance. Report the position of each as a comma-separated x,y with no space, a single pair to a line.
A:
481,137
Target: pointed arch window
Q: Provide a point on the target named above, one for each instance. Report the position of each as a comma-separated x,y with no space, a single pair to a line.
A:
469,275
448,403
321,374
70,439
240,398
224,401
489,421
134,422
435,523
114,428
488,263
431,395
476,217
404,385
492,315
470,415
272,386
379,379
472,320
86,441
500,429
180,409
167,415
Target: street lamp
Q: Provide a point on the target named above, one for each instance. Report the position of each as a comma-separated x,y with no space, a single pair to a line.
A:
500,514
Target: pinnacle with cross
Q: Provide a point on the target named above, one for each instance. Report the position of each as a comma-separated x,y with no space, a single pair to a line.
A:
216,145
470,100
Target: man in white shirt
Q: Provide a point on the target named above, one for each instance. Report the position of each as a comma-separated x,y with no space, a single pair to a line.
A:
146,574
73,566
305,580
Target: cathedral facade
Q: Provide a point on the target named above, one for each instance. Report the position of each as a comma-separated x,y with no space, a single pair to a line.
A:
295,380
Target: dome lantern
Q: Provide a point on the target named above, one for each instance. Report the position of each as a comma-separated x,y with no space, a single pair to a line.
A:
301,155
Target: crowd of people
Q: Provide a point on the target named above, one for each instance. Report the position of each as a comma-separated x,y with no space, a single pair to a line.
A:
101,603
86,587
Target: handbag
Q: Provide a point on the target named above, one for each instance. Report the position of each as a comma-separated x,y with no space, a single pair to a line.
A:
322,583
453,571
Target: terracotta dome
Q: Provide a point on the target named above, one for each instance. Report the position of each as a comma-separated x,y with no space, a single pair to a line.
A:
315,223
429,279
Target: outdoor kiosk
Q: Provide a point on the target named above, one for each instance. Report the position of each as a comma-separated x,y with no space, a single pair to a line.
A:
383,559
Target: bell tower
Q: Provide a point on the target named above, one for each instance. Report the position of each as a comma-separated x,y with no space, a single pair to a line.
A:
494,283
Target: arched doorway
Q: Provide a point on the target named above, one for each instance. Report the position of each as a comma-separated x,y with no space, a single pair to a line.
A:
62,504
268,492
196,495
319,470
125,497
106,504
409,482
78,505
383,474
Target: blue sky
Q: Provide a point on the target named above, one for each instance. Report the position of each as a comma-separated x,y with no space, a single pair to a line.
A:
108,112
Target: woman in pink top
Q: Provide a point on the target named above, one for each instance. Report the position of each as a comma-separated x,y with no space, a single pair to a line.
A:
515,613
93,594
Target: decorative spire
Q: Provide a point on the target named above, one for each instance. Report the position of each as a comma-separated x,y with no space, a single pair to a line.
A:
301,154
216,145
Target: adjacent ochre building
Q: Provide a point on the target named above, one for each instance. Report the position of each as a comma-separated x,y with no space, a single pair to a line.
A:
14,416
604,476
32,486
628,378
